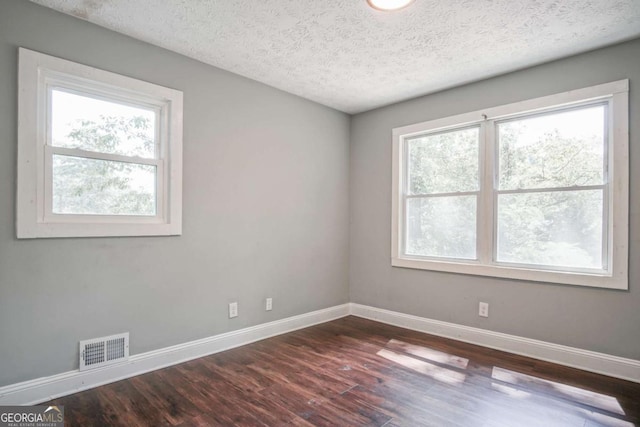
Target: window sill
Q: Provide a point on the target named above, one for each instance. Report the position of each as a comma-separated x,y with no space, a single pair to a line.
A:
612,281
53,230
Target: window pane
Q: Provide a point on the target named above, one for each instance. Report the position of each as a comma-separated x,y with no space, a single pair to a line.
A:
444,162
442,227
561,229
101,187
555,150
101,126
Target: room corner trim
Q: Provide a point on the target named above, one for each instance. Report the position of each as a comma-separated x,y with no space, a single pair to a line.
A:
600,363
43,389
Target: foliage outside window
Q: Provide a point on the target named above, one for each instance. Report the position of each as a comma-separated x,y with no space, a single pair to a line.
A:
99,153
536,190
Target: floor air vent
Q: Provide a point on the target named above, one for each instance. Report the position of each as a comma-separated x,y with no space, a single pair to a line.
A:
104,351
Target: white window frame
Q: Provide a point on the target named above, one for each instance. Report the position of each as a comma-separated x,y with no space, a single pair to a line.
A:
38,75
616,193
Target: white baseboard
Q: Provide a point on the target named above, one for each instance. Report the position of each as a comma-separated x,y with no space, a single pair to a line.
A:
613,366
42,389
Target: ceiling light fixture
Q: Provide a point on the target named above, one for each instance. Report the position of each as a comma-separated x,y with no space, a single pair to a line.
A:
388,5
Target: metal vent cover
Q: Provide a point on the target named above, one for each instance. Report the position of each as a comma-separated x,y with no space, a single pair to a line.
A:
103,351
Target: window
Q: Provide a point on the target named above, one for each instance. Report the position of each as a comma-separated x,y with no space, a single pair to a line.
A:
536,190
99,154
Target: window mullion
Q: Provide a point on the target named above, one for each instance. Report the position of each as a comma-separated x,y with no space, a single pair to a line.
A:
76,152
552,189
486,197
453,194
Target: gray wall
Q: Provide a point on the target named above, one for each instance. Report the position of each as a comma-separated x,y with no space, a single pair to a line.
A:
269,181
594,319
265,212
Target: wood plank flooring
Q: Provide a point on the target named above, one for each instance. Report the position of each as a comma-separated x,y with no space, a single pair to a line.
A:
355,372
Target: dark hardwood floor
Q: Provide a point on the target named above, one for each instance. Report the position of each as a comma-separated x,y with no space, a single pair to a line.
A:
354,372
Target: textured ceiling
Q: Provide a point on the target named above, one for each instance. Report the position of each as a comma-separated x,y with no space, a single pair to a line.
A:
344,54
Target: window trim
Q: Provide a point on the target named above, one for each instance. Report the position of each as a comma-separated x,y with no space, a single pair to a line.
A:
616,277
38,76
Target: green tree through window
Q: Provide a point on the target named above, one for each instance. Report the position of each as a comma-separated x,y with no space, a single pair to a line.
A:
97,186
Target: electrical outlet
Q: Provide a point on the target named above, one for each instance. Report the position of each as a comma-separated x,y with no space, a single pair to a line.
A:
233,309
483,309
268,305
